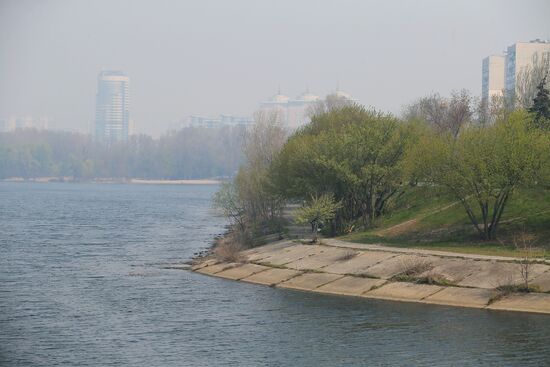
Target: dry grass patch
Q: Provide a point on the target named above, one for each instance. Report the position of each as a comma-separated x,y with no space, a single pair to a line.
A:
412,271
229,250
508,289
415,267
348,255
434,279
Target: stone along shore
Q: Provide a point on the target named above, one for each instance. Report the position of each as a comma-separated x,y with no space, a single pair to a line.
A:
372,271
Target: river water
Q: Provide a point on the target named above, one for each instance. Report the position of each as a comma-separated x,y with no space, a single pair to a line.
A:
83,283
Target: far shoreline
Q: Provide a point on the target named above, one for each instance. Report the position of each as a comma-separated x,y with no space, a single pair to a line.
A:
132,181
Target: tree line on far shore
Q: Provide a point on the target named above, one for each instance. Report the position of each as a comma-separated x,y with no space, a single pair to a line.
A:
189,153
348,166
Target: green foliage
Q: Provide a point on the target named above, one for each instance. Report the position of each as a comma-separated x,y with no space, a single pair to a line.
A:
317,212
353,153
483,166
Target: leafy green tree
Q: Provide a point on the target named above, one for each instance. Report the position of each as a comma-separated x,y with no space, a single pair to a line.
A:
483,166
317,212
352,152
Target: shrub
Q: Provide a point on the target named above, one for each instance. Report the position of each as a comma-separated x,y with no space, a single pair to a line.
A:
228,249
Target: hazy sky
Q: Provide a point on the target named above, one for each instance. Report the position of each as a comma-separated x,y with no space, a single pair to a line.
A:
211,57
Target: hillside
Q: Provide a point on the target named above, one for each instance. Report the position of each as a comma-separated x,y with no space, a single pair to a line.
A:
425,217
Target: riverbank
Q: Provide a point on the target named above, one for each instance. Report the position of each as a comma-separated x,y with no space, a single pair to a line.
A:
374,271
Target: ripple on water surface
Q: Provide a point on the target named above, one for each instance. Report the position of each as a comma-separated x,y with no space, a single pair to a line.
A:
83,283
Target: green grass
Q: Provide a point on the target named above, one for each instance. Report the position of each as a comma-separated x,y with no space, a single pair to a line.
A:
440,223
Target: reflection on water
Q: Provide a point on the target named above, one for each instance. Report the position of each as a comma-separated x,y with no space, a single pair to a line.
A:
83,283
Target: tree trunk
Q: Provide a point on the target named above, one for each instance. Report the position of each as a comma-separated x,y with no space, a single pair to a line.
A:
315,228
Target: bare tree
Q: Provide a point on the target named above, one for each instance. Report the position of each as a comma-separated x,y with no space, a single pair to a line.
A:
529,77
498,107
459,111
264,139
445,115
262,142
525,244
331,102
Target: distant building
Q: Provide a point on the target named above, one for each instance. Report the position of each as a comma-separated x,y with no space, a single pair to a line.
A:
112,114
131,127
24,122
500,72
220,121
293,113
279,104
492,83
299,109
519,56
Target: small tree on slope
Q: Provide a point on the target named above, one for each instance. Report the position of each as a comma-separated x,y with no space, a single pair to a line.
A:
317,212
482,167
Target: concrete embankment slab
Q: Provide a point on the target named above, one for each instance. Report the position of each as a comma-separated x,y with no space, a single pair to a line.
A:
455,270
400,291
493,274
272,276
542,281
242,271
531,302
214,269
350,286
358,264
325,256
463,297
309,281
203,264
396,265
290,254
379,247
261,252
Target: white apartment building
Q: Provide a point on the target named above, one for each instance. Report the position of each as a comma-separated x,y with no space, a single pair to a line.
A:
500,72
492,83
519,56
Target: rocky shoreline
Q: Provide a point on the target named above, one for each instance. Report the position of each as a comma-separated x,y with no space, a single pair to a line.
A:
373,271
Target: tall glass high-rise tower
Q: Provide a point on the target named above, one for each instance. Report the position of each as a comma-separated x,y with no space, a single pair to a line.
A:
112,112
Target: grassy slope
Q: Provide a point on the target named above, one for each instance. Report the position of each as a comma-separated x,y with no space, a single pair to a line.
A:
427,218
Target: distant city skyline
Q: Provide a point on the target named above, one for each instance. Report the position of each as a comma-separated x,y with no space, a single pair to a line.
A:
212,57
292,113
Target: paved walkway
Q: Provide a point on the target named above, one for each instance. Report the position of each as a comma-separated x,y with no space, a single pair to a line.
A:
379,247
375,271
